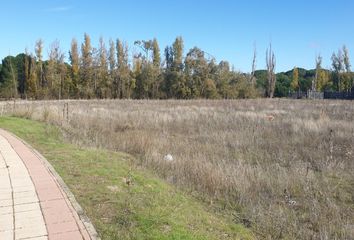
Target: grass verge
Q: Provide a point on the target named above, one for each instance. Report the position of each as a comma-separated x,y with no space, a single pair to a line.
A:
123,201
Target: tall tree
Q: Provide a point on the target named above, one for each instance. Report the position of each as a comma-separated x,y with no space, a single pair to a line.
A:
177,48
157,77
167,83
252,77
32,86
138,75
86,71
40,71
27,62
295,80
175,80
156,53
8,78
104,85
112,67
223,80
346,60
124,81
317,74
198,73
338,67
146,81
323,80
271,77
347,83
56,71
75,67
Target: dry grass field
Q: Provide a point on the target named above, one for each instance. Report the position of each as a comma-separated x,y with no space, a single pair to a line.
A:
283,168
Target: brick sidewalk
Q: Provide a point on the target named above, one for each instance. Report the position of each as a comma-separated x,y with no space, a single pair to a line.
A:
33,205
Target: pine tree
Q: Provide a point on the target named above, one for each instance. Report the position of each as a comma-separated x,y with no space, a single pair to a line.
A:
8,85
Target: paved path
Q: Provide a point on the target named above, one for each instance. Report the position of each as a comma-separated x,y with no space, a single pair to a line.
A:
33,205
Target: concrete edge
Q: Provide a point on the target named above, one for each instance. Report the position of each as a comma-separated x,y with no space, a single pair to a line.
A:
80,212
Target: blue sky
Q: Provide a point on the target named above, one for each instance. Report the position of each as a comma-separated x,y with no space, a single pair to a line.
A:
227,29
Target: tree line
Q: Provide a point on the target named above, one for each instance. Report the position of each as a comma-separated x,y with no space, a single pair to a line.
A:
339,78
113,72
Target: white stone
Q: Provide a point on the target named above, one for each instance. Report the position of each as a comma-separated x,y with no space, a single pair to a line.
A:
168,158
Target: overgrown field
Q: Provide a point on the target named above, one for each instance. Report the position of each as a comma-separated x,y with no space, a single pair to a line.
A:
283,168
124,201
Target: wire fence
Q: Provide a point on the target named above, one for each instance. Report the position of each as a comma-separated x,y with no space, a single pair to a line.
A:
348,95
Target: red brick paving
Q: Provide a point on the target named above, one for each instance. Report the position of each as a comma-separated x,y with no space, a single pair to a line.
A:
62,221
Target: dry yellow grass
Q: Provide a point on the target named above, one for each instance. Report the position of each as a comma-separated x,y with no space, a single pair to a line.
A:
282,167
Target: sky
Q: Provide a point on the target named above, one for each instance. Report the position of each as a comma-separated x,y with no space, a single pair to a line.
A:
227,29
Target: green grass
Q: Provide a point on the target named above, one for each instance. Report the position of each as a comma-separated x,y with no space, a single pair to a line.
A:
149,208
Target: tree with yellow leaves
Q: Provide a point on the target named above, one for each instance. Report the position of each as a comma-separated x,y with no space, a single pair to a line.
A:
295,81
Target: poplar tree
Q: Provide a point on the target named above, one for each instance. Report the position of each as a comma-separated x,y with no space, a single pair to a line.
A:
323,80
86,71
32,81
167,83
124,83
223,79
146,81
317,74
338,67
346,60
112,68
347,76
175,82
252,76
157,77
75,63
271,78
27,61
104,85
137,73
40,71
56,71
295,80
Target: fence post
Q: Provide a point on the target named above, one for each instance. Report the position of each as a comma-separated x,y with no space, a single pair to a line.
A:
66,112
